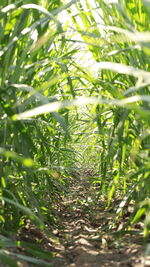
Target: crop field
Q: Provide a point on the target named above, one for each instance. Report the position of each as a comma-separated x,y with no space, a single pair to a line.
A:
74,132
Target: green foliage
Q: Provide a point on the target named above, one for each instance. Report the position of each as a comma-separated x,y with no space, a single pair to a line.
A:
74,93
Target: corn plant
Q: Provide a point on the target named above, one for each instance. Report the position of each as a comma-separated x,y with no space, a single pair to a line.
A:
74,93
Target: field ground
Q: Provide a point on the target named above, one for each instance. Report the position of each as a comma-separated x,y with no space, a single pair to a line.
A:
82,236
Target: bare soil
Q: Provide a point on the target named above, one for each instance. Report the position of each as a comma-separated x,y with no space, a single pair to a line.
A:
87,234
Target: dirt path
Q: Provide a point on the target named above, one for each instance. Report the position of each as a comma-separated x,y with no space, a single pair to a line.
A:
87,234
83,236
